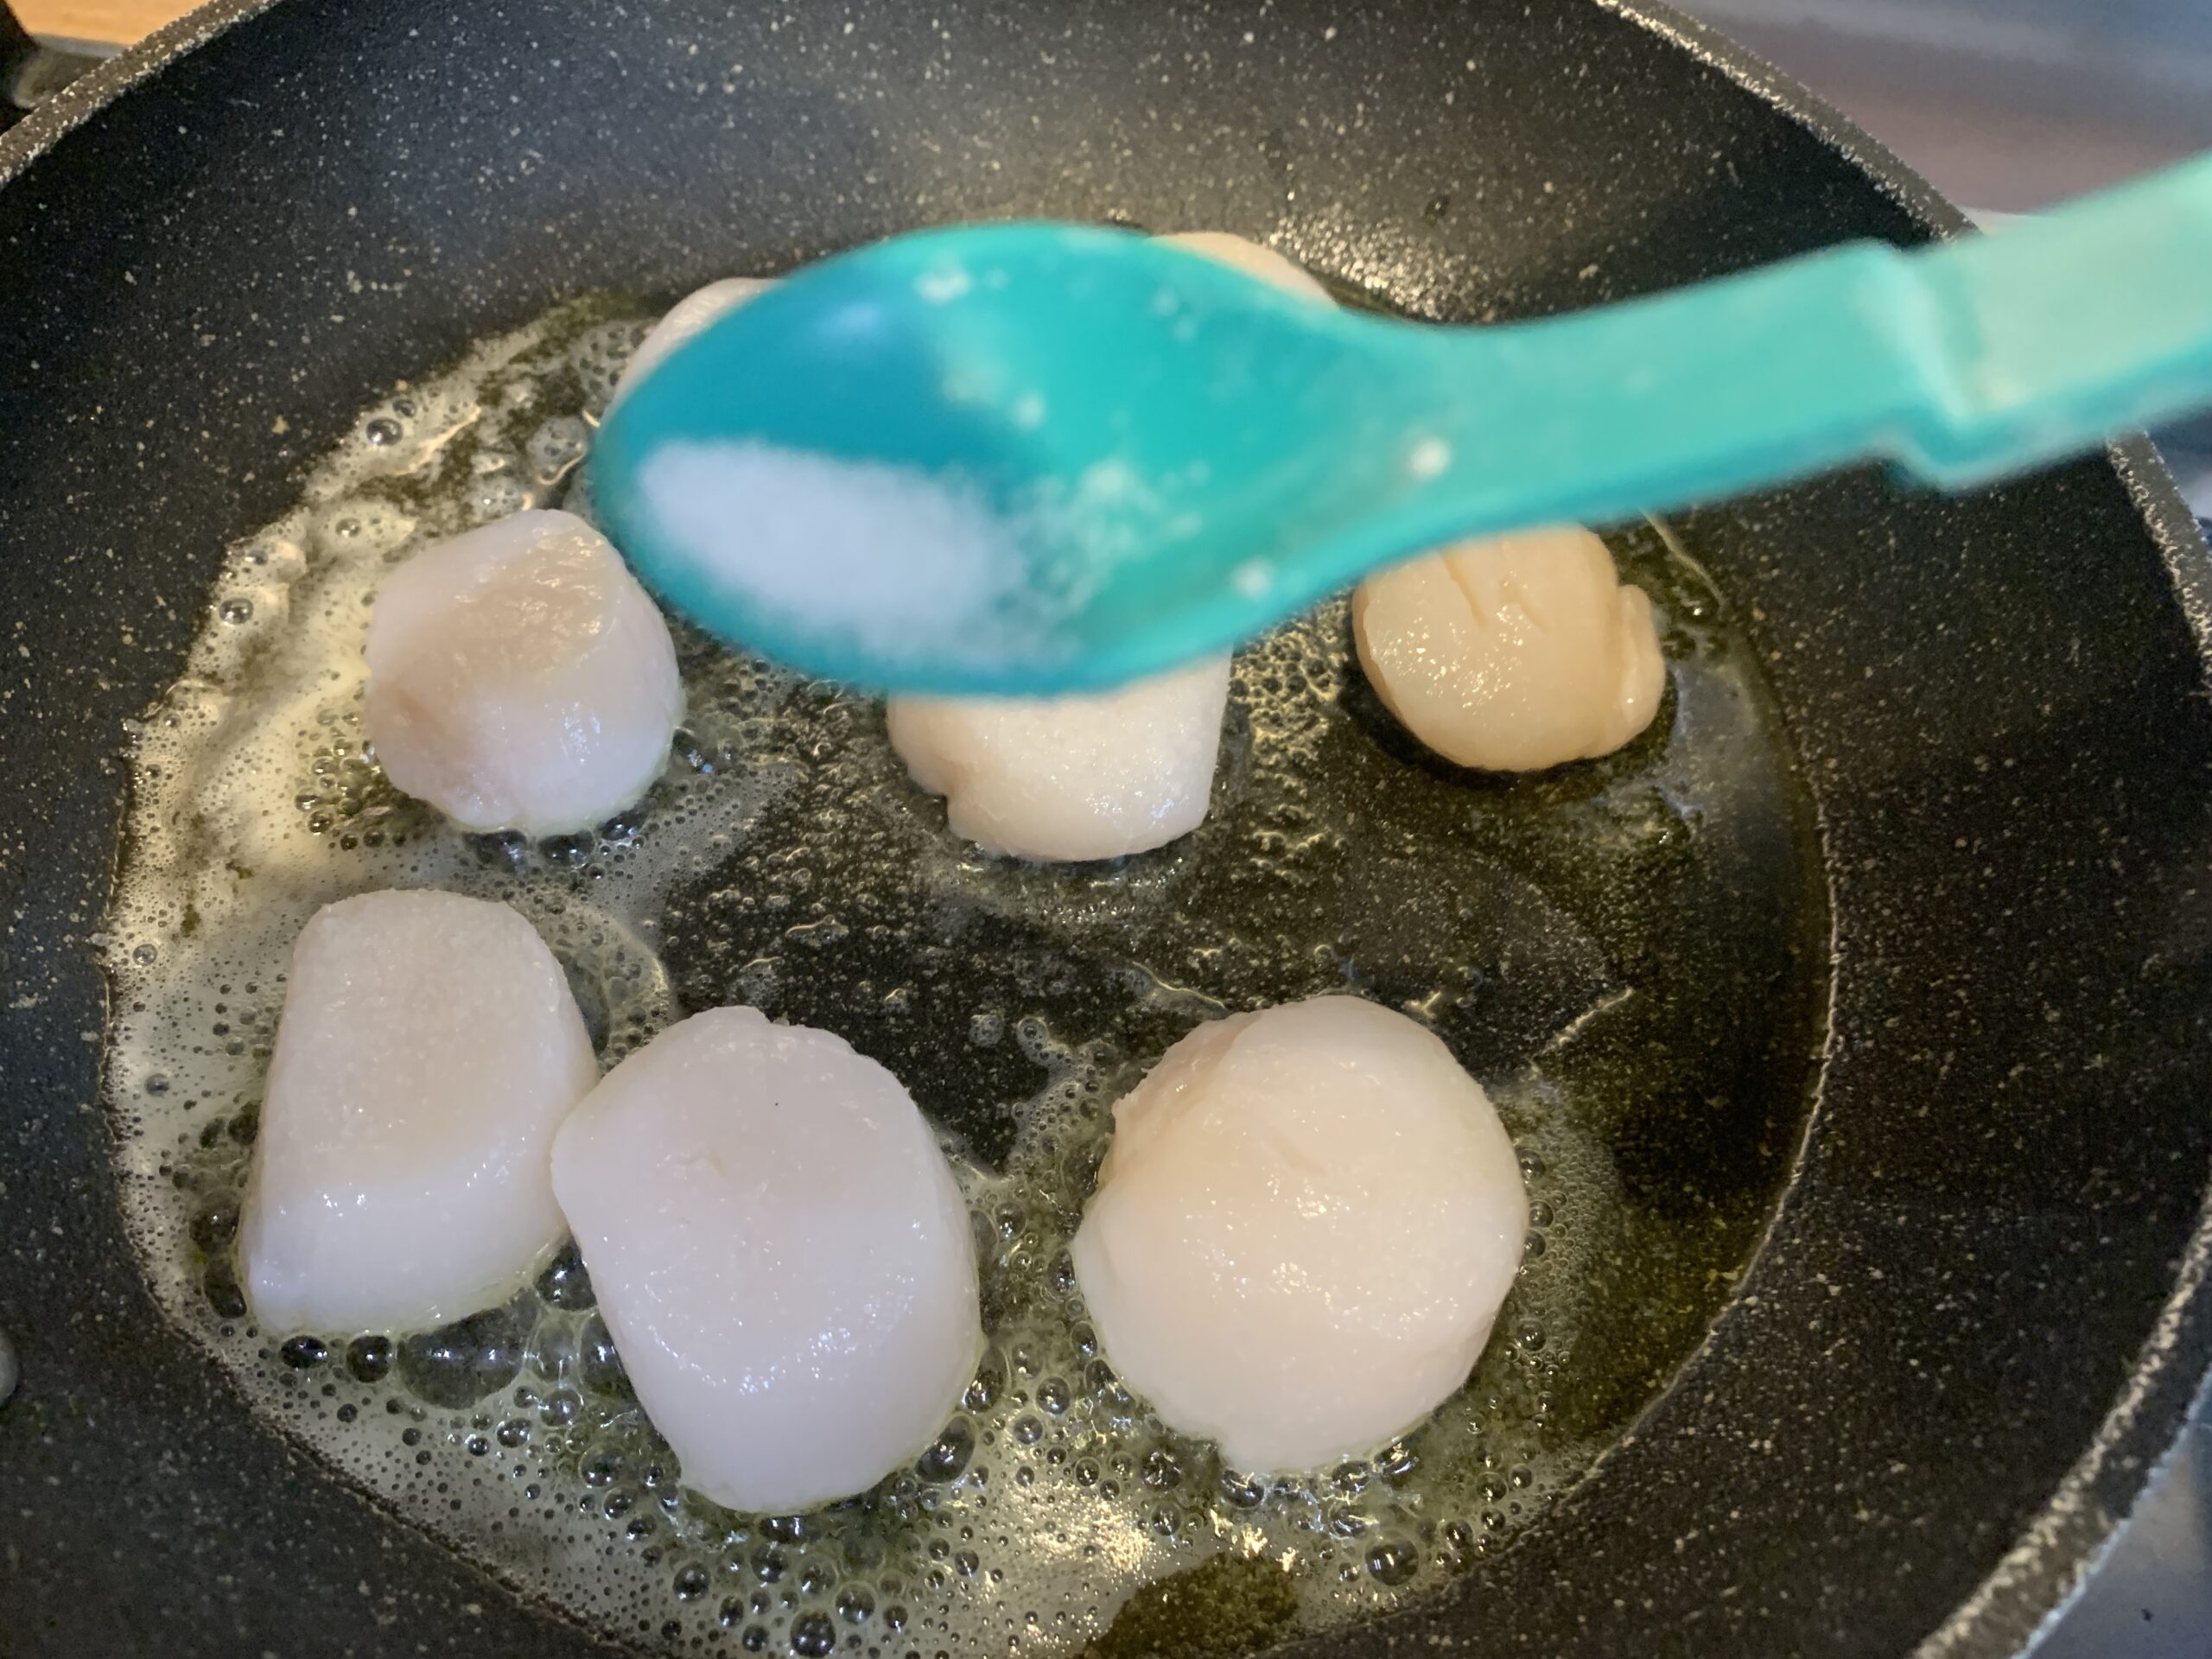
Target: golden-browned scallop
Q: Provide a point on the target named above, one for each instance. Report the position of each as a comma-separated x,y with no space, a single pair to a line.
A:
1514,652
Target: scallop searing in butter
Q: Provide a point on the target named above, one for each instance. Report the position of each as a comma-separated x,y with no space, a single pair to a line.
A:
1512,652
1095,776
520,678
778,1248
428,1048
1303,1231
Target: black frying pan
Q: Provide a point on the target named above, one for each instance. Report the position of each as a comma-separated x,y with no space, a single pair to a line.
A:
1978,1315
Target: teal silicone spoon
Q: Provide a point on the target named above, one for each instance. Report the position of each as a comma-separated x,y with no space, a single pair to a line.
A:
1030,459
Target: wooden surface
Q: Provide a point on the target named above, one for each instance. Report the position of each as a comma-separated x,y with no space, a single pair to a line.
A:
120,21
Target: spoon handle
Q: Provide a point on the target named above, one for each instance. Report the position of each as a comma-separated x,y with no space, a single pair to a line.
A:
2061,330
1962,361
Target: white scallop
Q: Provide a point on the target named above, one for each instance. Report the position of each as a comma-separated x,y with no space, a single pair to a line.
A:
520,678
688,316
780,1252
1514,652
1253,260
1071,777
1302,1231
1086,777
402,1178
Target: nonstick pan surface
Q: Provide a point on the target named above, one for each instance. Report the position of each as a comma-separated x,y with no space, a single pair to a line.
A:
1976,1318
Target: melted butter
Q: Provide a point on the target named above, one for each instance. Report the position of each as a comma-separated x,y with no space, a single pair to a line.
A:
1572,937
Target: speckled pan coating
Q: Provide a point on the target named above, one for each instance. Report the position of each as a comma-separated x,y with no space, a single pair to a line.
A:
1981,1313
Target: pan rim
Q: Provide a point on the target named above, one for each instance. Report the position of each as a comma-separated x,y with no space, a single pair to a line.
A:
2060,1547
56,117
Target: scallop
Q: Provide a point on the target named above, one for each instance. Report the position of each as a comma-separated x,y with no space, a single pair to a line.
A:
1253,260
1074,776
1512,653
1302,1231
519,679
1086,777
688,316
402,1178
781,1255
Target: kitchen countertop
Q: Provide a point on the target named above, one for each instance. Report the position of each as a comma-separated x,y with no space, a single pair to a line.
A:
99,19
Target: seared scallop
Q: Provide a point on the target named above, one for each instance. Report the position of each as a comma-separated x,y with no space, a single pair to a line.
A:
1510,654
1302,1232
519,679
781,1254
428,1049
1514,652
